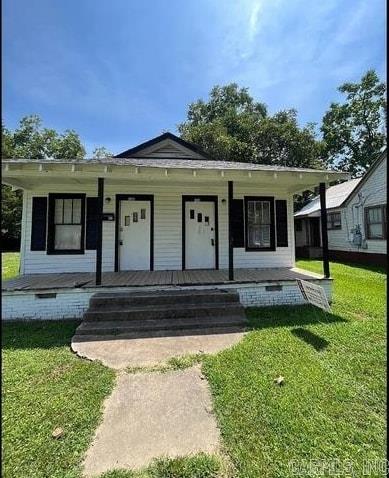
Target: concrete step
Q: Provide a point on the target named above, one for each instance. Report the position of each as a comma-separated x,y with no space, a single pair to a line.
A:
166,311
91,337
106,300
114,327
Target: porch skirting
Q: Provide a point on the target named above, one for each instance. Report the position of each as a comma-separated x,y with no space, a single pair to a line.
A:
54,304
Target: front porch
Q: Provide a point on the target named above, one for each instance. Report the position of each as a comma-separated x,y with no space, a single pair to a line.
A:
67,295
187,278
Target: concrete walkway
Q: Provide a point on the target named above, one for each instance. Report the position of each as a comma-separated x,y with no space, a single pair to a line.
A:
153,415
140,352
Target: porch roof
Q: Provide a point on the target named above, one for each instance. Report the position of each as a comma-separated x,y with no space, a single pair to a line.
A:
26,173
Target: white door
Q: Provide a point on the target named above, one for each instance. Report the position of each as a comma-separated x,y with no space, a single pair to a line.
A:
134,235
200,236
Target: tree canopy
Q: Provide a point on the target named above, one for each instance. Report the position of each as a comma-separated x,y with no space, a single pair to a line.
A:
232,126
354,131
30,140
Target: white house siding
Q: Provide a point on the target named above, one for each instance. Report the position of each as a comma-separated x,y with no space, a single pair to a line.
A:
373,194
167,229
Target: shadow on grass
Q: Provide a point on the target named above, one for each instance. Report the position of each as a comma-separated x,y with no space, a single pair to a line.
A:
317,342
35,334
289,316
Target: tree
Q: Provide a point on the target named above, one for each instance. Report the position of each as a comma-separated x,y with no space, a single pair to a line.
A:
101,152
232,126
30,141
354,131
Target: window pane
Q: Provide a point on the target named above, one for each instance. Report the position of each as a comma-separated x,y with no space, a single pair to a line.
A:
259,236
67,237
76,211
251,212
375,215
67,211
58,217
265,212
375,231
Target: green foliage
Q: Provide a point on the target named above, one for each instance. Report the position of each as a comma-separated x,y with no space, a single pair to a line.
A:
11,216
354,131
10,262
174,363
231,126
31,141
101,152
195,466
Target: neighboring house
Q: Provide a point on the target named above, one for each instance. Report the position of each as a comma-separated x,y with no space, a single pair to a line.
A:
356,217
161,206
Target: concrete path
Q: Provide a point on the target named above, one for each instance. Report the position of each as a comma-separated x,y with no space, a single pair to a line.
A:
152,415
141,352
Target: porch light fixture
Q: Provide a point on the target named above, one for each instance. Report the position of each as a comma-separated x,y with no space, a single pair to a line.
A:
108,200
223,201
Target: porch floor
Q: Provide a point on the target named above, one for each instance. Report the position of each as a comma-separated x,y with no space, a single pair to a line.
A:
155,278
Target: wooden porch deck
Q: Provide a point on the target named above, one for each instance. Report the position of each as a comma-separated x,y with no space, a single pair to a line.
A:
155,278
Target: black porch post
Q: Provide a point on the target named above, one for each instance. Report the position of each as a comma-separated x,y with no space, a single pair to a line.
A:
230,235
99,246
324,234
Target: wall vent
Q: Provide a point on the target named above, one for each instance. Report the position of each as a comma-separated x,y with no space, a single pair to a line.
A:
47,295
273,288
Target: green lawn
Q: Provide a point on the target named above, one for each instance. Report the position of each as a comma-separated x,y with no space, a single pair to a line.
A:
9,265
332,405
46,386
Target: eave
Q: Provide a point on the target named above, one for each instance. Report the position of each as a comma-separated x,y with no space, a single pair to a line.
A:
30,174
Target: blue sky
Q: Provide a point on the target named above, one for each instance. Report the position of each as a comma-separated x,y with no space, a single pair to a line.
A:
122,71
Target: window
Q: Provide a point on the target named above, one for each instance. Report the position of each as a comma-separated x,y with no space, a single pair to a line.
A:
375,221
66,224
259,217
334,220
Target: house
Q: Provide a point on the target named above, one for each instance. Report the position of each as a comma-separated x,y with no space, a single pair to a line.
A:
357,219
159,215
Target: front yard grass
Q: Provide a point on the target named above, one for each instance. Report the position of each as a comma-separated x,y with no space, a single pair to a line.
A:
332,404
9,265
45,386
331,407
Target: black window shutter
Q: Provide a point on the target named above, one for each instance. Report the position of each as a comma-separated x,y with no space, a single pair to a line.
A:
38,224
237,223
282,223
91,223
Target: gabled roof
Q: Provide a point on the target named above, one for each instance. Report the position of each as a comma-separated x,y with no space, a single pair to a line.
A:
339,195
163,138
335,196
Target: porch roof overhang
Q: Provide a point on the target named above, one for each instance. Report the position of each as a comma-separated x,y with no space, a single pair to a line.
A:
31,174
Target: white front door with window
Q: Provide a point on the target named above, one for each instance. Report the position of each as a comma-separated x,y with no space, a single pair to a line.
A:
134,235
200,246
